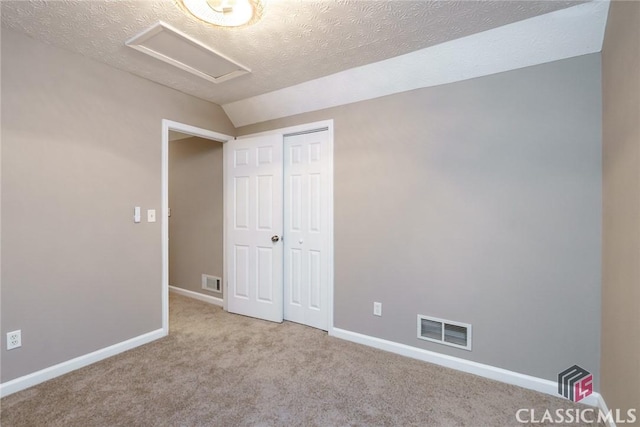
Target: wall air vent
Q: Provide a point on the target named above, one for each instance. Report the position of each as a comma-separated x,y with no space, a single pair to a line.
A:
167,44
211,283
446,332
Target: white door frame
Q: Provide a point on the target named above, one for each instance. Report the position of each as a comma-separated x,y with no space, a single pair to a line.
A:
311,127
169,125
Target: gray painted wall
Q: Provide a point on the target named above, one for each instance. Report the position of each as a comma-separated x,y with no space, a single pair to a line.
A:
478,201
621,215
196,222
81,146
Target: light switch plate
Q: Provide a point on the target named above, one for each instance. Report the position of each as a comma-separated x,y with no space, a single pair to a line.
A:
151,215
136,214
377,309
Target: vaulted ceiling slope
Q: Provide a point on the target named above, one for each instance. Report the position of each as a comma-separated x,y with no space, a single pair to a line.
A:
551,37
302,46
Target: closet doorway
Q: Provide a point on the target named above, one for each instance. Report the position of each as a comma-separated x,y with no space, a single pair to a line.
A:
279,225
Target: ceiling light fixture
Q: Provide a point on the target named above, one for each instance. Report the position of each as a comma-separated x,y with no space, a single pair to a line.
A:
225,13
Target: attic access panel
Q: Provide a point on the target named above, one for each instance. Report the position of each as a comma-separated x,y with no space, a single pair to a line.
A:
169,45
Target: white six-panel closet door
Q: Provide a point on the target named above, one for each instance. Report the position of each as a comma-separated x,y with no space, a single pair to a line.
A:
254,209
306,229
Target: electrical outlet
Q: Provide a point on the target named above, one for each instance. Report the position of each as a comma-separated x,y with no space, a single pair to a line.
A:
377,309
14,339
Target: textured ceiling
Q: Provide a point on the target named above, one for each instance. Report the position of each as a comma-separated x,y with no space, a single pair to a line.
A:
297,41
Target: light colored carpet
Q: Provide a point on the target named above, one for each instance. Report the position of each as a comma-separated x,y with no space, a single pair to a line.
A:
219,369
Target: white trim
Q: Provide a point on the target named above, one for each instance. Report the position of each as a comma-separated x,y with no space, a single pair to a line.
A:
565,33
329,125
225,301
487,371
51,372
169,125
195,295
309,127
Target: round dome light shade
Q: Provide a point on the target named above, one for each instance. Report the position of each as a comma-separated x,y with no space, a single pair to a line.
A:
225,13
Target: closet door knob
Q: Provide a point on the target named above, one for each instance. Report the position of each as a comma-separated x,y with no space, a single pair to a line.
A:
274,239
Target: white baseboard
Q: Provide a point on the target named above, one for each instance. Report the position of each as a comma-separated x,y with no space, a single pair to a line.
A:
51,372
486,371
196,295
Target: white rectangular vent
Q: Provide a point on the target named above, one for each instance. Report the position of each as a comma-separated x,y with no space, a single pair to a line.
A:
167,44
211,283
446,332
